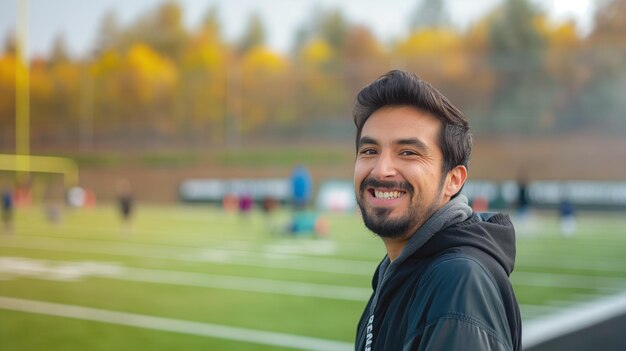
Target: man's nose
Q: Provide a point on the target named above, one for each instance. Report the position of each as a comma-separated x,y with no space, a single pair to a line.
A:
384,168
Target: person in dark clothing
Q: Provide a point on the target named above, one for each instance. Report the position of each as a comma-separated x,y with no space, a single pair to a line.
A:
7,210
125,203
444,283
523,197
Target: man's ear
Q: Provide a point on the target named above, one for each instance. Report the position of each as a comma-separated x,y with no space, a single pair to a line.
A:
454,181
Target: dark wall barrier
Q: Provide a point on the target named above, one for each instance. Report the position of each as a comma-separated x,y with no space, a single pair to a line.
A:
339,193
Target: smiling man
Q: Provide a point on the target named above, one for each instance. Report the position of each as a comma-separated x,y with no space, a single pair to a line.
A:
443,284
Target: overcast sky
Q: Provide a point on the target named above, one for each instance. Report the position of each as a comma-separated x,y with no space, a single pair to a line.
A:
78,20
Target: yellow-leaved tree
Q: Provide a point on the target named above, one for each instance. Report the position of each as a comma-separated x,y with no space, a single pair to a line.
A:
266,90
148,81
201,103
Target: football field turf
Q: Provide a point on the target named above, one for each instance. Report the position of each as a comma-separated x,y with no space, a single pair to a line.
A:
196,278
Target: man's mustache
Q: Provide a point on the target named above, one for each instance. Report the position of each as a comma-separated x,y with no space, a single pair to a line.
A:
373,183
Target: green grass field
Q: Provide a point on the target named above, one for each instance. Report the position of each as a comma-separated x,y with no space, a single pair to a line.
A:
195,278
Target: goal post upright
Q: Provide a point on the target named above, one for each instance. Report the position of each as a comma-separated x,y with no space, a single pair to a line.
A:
22,95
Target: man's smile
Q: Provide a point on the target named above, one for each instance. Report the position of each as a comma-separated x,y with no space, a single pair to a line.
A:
385,196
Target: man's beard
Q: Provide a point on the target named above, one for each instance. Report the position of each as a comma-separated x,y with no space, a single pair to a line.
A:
377,219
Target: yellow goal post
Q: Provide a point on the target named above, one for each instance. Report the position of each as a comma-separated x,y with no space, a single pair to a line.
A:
42,164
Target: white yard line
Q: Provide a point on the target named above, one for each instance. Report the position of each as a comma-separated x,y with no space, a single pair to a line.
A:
224,240
291,261
16,267
336,291
219,256
174,325
270,259
571,320
271,286
579,263
571,281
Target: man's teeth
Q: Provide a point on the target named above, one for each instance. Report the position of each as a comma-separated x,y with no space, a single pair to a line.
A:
387,194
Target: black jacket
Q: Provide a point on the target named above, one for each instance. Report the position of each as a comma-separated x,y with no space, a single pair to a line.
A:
452,293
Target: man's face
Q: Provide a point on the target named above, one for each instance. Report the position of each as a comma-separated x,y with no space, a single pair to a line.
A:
397,172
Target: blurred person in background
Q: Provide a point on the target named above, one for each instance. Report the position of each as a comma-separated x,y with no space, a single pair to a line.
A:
246,204
53,202
443,284
230,203
269,205
523,202
302,221
524,223
567,217
7,210
23,195
125,203
301,185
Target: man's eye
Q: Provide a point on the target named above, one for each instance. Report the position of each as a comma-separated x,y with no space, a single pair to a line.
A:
408,153
368,152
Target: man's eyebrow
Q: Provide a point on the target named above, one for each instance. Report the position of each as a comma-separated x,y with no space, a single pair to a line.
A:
412,142
367,140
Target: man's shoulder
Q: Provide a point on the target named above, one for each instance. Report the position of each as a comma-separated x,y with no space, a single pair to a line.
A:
456,278
457,263
458,288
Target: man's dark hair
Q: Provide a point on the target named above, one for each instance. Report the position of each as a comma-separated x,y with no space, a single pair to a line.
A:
400,88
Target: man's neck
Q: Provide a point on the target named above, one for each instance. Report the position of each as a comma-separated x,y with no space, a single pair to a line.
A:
394,246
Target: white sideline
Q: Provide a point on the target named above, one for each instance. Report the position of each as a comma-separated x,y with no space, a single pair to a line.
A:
562,323
174,325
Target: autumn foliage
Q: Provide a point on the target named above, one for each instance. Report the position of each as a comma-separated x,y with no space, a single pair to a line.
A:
155,82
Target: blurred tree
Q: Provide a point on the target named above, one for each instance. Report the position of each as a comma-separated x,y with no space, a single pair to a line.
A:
211,25
364,58
201,101
437,55
332,27
148,81
8,58
9,46
564,64
602,103
59,54
254,35
63,107
301,37
517,56
109,32
610,22
320,95
42,108
316,53
474,90
429,14
7,99
335,29
163,30
323,60
134,95
266,90
106,70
